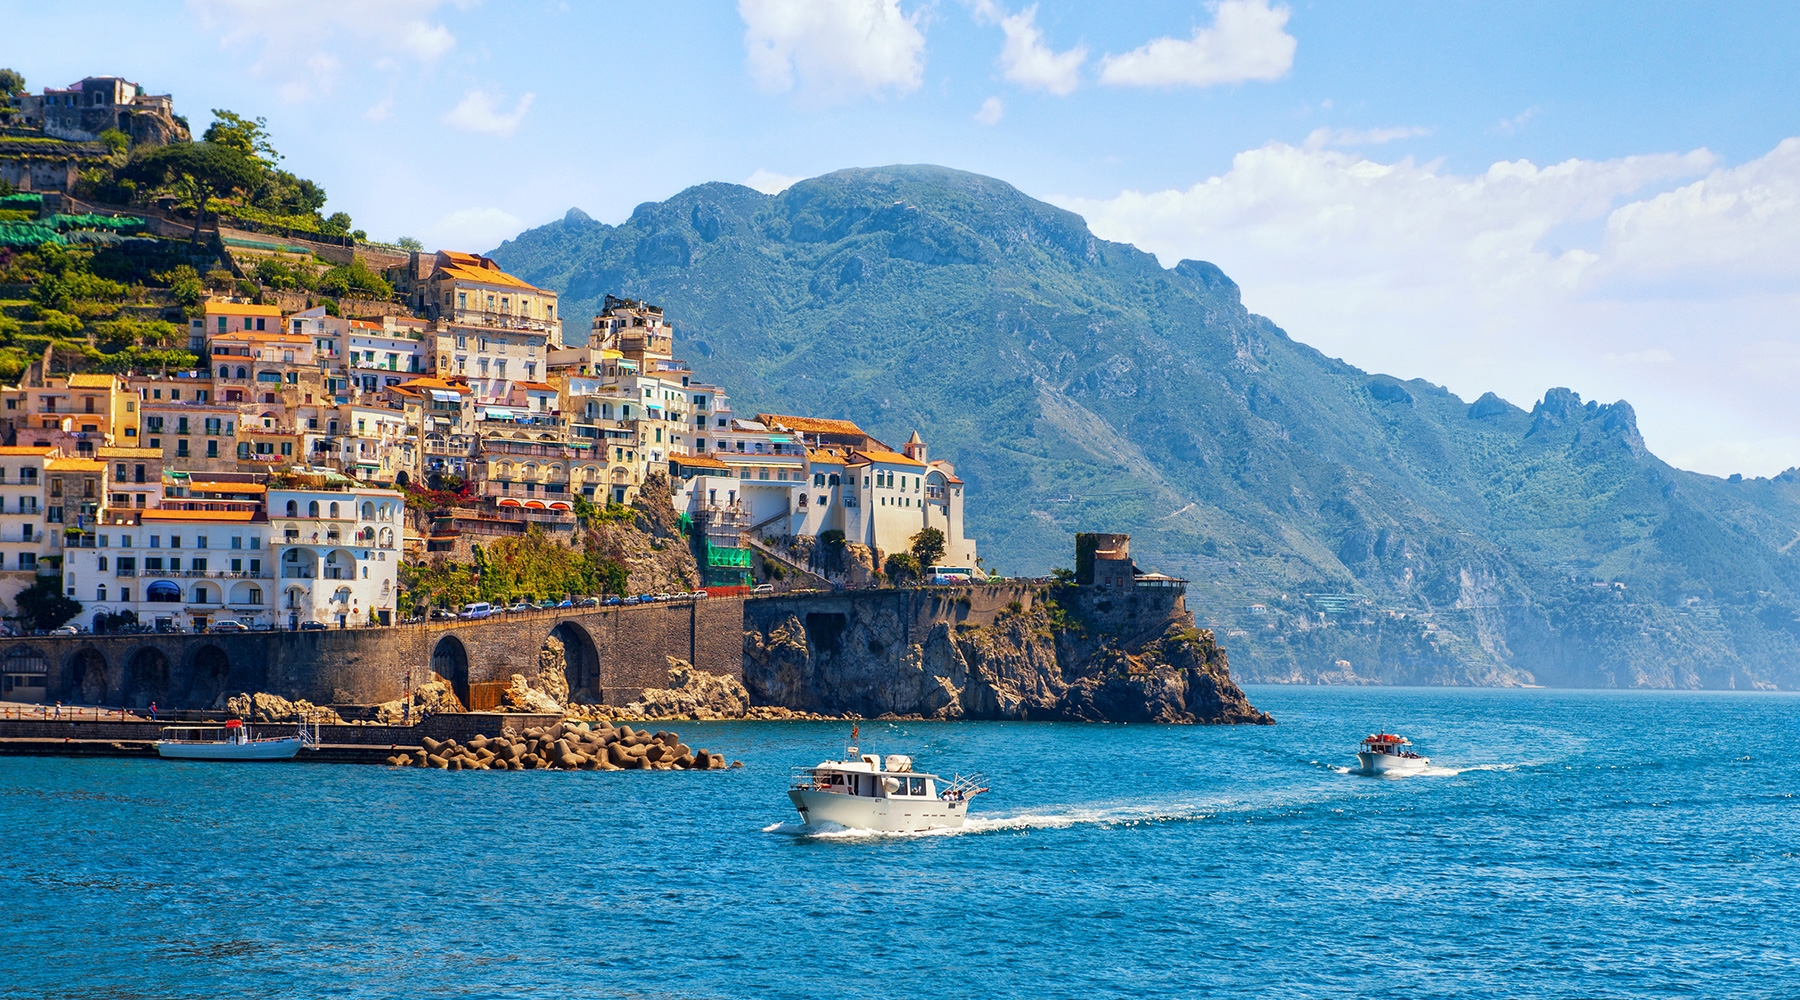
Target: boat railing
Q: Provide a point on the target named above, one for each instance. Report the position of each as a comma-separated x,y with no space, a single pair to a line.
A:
813,778
964,786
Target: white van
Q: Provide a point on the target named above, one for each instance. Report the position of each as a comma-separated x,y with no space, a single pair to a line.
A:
480,609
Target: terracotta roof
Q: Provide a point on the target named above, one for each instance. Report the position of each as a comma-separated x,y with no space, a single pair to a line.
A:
698,462
242,309
433,383
210,486
74,465
537,386
888,457
160,514
90,381
23,450
825,457
123,452
486,276
813,425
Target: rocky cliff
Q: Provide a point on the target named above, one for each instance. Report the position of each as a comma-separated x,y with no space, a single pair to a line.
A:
1073,656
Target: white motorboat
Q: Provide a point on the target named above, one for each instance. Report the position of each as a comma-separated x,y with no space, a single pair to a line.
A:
232,741
1386,753
866,792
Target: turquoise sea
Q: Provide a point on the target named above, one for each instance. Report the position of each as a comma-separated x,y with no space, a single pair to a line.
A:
1571,844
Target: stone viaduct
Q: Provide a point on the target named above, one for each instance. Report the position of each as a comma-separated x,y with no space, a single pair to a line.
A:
612,653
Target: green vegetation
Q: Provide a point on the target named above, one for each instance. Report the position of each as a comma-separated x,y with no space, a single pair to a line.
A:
1079,386
530,567
42,605
928,546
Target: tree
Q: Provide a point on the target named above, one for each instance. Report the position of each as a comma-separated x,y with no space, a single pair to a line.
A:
249,136
409,243
199,171
928,546
11,82
337,224
42,605
901,567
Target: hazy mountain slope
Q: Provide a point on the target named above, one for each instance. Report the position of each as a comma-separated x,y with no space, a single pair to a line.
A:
1078,385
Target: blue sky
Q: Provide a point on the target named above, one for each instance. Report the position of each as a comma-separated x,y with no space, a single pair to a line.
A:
1508,196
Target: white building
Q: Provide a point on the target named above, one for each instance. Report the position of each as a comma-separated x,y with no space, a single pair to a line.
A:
339,554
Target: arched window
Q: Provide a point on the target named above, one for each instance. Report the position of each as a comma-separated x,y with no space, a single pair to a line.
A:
200,594
163,592
312,508
224,371
242,373
368,511
334,509
100,592
293,509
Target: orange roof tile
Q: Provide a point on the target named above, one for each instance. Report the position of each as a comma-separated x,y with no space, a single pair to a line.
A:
242,309
74,465
161,514
813,425
888,457
123,452
210,486
23,450
486,276
90,381
537,386
698,462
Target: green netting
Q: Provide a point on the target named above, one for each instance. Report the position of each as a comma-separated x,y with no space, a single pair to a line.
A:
68,222
29,234
23,199
717,555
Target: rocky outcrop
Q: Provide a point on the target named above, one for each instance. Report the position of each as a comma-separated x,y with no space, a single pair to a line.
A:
261,707
1048,662
434,697
691,694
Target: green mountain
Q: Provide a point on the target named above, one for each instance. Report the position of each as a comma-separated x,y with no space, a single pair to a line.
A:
1337,525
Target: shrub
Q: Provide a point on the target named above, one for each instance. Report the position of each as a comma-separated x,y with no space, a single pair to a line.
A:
58,323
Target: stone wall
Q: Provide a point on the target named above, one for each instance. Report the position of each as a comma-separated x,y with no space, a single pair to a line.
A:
613,654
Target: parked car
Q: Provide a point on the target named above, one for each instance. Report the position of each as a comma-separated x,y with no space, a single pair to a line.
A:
229,625
632,600
479,609
442,615
763,588
699,595
166,628
612,602
521,606
312,626
588,602
69,629
565,603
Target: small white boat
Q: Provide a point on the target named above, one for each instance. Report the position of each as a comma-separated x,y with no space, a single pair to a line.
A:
865,792
1386,753
232,741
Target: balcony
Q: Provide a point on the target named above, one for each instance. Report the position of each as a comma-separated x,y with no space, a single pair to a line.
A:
198,574
502,321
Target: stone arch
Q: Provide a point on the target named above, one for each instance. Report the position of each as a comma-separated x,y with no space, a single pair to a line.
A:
208,677
27,666
581,659
147,678
450,660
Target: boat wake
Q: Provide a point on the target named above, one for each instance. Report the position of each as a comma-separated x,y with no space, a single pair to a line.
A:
1119,816
1429,771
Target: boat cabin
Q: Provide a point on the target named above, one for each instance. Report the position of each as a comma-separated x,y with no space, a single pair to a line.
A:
1388,743
867,776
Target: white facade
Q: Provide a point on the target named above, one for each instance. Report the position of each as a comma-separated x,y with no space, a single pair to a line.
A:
338,552
186,569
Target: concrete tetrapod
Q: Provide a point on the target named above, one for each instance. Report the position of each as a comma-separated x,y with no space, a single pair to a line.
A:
565,746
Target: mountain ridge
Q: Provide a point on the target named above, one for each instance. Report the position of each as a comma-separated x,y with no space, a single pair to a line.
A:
1338,525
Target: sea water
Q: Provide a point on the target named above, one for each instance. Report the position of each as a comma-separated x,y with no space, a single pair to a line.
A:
1564,844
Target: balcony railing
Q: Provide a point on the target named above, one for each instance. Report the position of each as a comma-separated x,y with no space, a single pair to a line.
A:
200,574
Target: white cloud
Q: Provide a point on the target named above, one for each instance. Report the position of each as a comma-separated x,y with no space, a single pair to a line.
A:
1248,40
1322,137
303,45
381,111
473,230
1687,302
991,111
480,111
1507,126
833,49
1025,59
770,182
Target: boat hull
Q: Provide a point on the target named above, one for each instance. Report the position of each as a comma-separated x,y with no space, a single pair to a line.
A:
1387,763
889,815
278,749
